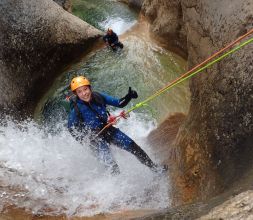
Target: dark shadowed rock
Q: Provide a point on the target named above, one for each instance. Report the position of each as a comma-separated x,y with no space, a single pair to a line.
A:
136,4
37,38
66,4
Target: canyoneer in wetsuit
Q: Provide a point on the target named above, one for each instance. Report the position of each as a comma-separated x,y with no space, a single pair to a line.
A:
89,113
111,39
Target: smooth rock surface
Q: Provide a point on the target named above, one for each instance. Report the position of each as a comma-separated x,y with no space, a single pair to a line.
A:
37,38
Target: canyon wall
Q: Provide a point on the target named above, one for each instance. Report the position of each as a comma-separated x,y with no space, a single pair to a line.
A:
214,143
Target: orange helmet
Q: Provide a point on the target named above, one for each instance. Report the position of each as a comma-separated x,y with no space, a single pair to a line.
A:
78,82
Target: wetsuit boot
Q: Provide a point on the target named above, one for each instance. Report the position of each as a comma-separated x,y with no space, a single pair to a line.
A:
145,159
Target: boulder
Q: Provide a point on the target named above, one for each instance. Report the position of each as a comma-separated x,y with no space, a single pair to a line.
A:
37,39
167,25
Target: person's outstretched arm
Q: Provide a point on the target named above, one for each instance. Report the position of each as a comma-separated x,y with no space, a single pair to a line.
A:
122,102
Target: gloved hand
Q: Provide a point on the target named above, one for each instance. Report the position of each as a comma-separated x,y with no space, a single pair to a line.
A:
132,93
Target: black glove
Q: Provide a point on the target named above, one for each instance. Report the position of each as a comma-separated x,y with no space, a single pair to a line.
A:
132,93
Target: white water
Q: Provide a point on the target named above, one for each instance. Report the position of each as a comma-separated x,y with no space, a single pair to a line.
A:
118,24
54,174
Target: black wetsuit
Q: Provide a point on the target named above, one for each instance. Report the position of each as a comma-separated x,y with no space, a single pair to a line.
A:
113,40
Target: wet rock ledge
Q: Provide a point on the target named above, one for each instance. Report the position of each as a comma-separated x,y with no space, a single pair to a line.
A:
37,39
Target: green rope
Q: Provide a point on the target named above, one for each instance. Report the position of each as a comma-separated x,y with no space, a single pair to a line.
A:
140,104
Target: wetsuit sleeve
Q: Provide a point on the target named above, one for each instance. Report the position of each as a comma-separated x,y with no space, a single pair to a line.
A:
110,100
121,103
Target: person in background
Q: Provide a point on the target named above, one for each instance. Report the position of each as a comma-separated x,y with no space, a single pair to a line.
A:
111,39
89,113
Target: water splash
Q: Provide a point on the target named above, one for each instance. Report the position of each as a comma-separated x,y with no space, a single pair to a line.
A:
105,13
53,174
